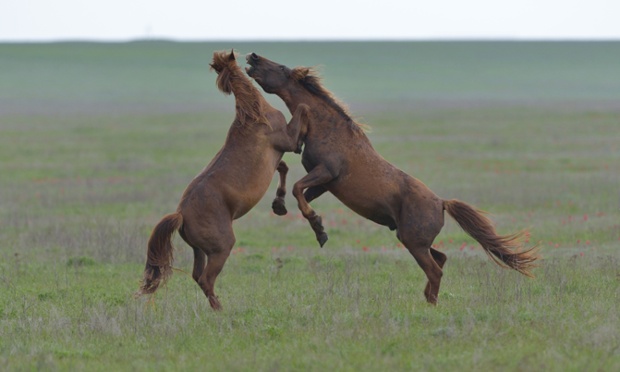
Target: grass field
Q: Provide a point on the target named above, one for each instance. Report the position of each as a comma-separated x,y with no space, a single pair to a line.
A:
98,141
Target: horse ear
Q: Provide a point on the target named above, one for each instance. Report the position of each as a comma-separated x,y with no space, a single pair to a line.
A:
231,57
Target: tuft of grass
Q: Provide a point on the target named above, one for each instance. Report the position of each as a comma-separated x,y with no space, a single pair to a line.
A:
80,261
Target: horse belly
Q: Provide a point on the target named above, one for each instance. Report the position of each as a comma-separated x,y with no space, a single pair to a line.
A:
383,219
239,182
252,186
380,208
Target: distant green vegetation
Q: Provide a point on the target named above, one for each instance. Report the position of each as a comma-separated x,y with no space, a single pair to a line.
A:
98,141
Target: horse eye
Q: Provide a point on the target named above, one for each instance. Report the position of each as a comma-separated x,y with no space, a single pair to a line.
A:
281,68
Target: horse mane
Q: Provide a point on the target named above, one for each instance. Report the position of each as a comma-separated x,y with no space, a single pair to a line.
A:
309,78
231,79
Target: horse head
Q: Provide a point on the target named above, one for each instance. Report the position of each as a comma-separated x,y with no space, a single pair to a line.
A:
272,76
223,64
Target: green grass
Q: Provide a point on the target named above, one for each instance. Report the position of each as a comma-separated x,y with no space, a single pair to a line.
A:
345,310
98,141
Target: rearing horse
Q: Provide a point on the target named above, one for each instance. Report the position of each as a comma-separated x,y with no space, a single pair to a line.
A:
339,158
233,182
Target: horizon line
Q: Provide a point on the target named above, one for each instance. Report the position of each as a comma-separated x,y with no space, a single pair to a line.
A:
308,40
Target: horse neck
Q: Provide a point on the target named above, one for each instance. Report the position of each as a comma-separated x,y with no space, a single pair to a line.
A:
324,113
294,96
249,103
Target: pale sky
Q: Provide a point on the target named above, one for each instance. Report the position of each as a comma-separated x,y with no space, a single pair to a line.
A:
212,20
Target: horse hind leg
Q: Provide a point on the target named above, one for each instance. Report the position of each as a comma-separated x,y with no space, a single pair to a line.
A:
440,258
214,243
199,264
432,270
204,280
430,261
215,263
278,205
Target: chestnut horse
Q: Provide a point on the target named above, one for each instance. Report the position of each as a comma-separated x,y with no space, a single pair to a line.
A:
339,158
233,182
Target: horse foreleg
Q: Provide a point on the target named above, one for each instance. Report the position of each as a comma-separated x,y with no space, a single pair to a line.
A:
278,203
292,136
298,126
318,176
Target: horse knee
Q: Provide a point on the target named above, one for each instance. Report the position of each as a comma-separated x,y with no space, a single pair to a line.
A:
297,190
302,204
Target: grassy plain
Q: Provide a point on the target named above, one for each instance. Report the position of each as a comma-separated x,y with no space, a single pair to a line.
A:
98,141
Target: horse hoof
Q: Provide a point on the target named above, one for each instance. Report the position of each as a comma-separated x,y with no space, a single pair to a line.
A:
431,299
278,207
215,303
322,238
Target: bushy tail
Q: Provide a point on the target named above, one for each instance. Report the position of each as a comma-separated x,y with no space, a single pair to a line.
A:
159,253
505,250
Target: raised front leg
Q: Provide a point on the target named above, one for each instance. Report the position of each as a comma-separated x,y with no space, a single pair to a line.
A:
292,138
278,203
318,176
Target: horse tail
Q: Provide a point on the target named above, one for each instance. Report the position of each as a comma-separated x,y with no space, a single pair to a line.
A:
505,250
159,253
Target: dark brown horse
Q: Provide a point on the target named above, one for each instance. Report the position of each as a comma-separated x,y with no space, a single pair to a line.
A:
340,159
233,182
